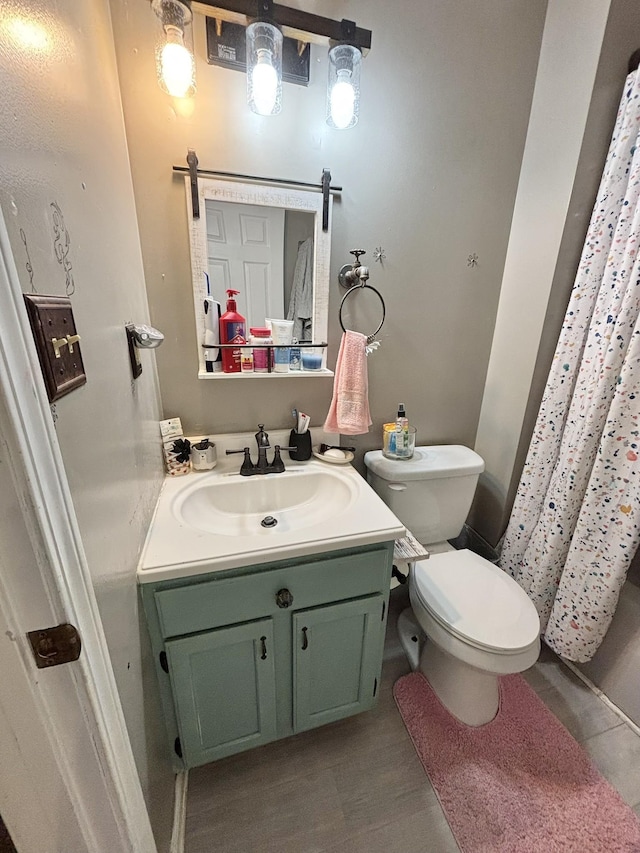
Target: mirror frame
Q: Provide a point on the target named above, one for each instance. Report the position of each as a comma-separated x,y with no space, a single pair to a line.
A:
267,196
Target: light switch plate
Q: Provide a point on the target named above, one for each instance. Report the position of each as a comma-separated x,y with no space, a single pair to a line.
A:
57,343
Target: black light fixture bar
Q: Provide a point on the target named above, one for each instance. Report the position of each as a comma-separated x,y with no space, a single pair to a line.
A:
293,22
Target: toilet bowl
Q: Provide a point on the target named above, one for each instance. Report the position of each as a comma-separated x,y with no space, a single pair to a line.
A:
469,622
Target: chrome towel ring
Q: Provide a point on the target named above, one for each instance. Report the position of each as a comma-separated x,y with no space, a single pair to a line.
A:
363,286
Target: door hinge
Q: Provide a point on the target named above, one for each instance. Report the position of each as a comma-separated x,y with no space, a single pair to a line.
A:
53,646
164,663
384,610
178,747
375,686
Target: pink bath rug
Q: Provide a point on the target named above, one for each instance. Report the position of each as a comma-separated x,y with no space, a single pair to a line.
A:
519,784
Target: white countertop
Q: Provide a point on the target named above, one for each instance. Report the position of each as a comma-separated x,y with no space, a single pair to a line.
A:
175,549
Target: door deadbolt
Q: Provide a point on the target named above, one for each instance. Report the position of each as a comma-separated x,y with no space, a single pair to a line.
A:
53,646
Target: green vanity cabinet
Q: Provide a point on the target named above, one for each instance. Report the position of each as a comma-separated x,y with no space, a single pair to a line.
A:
246,656
336,660
224,689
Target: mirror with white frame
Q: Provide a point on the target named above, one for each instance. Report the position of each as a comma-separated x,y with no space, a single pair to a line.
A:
266,242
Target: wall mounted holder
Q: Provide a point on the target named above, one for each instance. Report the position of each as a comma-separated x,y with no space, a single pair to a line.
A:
354,277
141,337
352,274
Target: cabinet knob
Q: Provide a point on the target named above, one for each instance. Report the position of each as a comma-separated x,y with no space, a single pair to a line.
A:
305,639
284,598
263,648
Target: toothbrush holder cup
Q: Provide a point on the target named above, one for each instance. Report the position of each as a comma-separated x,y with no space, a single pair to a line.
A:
301,441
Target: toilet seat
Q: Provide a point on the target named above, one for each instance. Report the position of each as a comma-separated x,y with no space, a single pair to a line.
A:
476,601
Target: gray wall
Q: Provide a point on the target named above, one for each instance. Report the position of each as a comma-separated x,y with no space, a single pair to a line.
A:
62,140
429,173
571,44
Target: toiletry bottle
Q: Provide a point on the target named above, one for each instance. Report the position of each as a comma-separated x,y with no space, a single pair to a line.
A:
261,354
294,356
246,360
402,432
211,337
232,331
211,318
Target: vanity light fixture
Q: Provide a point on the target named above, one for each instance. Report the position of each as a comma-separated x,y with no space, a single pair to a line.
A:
175,61
266,24
264,62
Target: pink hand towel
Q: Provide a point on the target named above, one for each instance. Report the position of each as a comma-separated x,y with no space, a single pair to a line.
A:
349,409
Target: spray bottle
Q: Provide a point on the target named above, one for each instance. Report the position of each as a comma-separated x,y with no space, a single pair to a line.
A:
232,331
402,432
211,337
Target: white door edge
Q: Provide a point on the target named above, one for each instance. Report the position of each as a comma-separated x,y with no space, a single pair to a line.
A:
48,503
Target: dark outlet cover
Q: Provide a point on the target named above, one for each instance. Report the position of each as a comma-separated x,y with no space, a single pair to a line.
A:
57,343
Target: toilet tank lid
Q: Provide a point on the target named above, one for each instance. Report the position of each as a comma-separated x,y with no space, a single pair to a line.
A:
427,463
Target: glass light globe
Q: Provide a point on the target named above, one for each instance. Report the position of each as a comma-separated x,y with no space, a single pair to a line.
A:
264,68
343,90
176,65
175,62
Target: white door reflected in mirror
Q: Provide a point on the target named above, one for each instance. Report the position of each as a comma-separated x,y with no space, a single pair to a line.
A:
246,251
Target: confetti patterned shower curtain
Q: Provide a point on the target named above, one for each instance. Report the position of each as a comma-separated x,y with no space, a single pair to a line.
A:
575,524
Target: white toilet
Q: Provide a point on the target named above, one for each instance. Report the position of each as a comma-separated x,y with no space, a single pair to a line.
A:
478,622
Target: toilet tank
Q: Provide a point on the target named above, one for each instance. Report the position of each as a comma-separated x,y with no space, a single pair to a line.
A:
430,493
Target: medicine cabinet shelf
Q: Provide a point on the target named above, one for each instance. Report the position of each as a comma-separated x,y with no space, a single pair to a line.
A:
294,374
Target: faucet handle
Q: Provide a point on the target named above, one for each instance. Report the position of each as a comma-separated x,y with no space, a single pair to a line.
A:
277,466
246,469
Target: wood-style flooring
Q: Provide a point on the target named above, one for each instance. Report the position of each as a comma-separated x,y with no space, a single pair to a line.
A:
357,786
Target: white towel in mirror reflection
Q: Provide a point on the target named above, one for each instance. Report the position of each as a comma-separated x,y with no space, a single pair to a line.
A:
301,302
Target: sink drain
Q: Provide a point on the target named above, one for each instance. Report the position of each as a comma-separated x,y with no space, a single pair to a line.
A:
269,521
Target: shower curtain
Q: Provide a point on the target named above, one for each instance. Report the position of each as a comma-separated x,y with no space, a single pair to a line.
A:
575,523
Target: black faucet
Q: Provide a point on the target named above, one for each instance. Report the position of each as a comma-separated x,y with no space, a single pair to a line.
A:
262,440
262,466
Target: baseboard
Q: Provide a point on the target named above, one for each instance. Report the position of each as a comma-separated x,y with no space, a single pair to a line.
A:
601,695
179,812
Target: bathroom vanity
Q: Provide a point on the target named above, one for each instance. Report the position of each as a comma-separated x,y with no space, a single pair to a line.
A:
249,655
259,633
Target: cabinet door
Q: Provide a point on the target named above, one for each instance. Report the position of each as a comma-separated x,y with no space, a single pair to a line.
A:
223,685
337,653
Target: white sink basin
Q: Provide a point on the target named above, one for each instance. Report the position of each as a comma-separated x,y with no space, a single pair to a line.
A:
265,505
210,522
